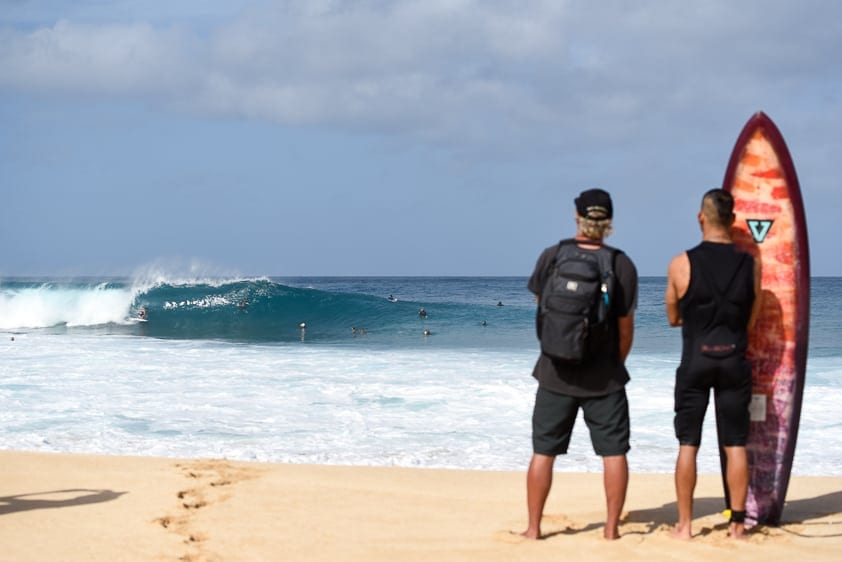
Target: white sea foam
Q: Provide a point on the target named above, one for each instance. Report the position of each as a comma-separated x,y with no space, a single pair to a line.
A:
334,405
180,273
45,306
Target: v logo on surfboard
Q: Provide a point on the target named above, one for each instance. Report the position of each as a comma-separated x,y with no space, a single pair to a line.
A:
759,228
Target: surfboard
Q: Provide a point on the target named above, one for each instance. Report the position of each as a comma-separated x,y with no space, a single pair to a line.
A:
770,224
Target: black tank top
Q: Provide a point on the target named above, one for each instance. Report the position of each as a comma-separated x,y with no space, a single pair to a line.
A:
717,306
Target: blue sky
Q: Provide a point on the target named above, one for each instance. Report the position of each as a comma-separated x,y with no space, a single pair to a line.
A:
373,137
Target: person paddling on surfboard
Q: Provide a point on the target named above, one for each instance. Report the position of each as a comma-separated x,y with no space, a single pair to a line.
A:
712,294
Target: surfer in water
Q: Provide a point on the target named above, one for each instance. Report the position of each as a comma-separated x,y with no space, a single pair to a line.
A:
142,313
711,293
422,313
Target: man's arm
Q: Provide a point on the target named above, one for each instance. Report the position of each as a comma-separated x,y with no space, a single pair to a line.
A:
625,326
678,279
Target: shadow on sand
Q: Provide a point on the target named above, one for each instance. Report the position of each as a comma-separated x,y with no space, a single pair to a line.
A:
55,499
796,513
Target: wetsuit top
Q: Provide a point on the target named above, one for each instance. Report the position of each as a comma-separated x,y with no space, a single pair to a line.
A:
603,373
716,308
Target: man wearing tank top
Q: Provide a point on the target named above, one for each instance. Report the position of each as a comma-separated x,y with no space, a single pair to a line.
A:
712,293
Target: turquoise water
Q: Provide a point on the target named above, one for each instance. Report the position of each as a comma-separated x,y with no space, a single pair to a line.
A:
222,367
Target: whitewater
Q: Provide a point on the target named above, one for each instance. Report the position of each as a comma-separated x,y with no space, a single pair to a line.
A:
331,371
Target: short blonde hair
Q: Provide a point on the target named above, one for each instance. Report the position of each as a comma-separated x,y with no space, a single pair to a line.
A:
593,229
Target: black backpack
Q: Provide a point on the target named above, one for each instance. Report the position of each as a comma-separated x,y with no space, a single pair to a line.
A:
574,306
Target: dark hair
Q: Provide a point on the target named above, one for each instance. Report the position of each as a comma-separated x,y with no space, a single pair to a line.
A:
722,204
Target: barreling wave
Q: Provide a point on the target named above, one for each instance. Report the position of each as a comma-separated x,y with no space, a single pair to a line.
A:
250,310
259,310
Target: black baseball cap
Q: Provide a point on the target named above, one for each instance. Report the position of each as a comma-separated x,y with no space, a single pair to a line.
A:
594,204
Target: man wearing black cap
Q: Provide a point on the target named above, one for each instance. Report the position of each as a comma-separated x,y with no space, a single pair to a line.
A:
596,384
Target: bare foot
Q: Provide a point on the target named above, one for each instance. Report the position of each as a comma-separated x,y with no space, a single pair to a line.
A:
611,535
532,534
682,532
737,531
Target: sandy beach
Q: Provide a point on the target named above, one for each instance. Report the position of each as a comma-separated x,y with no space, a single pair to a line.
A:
105,508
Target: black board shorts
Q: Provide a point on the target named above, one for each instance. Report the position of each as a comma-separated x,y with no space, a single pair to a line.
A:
730,380
607,418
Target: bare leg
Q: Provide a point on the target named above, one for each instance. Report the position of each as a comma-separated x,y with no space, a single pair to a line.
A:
737,476
539,479
616,481
685,485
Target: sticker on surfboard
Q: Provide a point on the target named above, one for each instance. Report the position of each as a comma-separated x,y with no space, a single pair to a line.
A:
759,228
757,408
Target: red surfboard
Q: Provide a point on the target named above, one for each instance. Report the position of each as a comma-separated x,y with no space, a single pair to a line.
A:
771,225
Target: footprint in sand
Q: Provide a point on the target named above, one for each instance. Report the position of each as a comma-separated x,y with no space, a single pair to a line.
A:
510,537
208,479
560,524
192,499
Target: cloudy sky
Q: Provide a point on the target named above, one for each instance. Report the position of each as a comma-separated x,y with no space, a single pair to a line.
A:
378,137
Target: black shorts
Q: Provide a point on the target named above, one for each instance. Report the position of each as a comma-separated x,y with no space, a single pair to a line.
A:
607,418
730,380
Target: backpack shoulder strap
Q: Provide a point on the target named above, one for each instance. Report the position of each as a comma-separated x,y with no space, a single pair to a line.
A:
607,263
608,257
562,246
566,242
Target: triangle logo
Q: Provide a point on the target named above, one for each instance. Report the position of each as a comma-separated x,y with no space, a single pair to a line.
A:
759,229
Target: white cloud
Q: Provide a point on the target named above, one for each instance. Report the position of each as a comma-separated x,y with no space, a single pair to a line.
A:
465,69
131,59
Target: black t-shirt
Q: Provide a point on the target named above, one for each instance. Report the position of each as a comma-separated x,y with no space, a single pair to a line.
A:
604,373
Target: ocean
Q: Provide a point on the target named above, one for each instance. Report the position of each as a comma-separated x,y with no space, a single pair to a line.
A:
334,371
